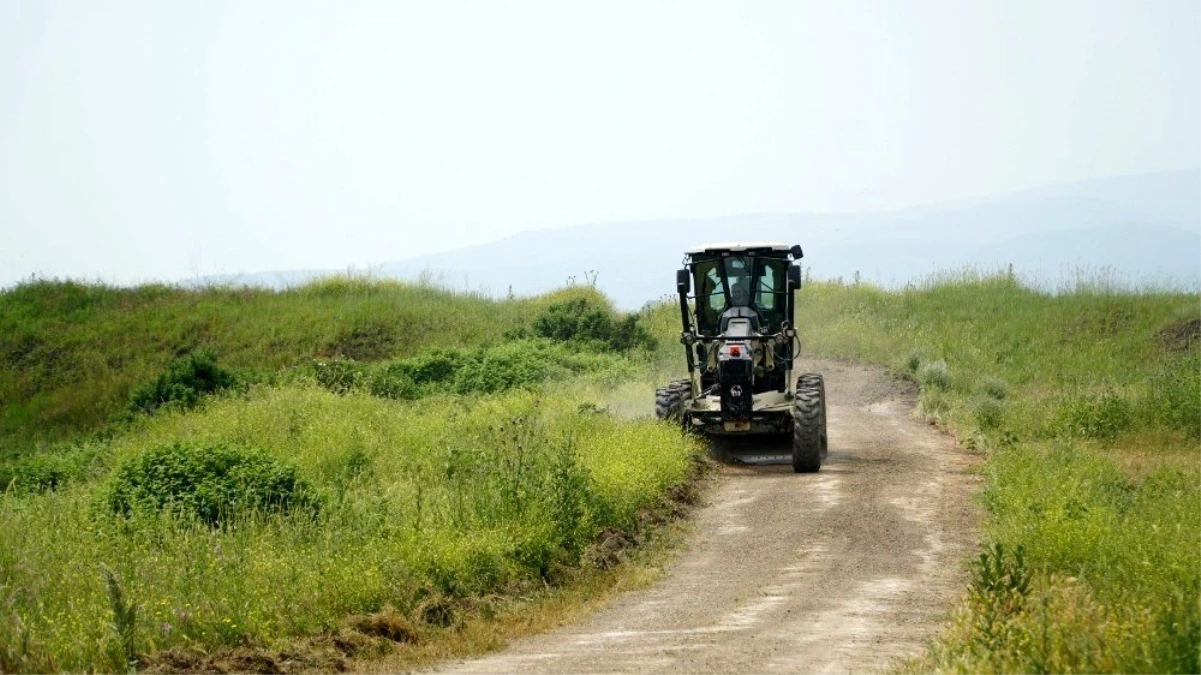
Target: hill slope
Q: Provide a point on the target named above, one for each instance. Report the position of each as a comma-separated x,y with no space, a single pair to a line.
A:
70,353
385,466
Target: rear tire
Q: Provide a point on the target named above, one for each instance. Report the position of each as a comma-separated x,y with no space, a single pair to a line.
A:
809,424
672,401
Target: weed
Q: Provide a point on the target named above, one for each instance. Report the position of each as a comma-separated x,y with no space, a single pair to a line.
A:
367,341
1174,398
1103,416
338,375
125,615
214,483
997,592
989,412
913,361
935,375
185,381
581,319
19,653
994,387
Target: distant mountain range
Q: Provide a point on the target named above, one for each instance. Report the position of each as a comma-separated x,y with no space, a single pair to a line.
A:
1137,230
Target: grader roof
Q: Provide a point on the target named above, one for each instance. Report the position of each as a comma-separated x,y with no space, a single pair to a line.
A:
740,247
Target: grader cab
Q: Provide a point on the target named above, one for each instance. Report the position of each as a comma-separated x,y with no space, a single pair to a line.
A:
740,344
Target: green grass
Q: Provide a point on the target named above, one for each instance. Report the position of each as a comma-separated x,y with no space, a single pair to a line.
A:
440,463
449,478
1090,424
72,353
439,500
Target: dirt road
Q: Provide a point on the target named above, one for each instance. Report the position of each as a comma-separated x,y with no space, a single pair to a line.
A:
839,571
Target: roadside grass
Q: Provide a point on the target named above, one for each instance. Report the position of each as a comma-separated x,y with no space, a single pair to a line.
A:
1088,412
333,472
426,505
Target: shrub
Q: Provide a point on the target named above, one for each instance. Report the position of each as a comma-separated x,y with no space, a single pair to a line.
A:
994,387
516,364
1099,417
997,594
394,381
420,375
509,365
436,365
211,483
185,381
935,375
338,375
364,342
34,474
51,469
914,361
585,320
1175,398
989,412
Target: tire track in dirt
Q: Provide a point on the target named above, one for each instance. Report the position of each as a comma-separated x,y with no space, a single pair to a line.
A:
839,571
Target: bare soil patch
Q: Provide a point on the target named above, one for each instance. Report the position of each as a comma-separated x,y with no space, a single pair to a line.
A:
1181,335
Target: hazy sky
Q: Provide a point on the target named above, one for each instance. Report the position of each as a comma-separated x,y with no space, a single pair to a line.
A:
143,140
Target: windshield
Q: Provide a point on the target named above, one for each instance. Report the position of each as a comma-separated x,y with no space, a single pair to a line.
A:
739,281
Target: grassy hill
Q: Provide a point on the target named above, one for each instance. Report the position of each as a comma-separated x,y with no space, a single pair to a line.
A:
1086,406
310,475
72,353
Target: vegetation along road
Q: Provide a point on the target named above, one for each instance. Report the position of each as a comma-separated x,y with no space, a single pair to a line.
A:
838,571
369,475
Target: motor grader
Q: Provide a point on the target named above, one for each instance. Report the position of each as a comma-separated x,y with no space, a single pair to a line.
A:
740,344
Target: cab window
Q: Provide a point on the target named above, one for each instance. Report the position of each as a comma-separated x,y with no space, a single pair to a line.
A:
765,298
710,295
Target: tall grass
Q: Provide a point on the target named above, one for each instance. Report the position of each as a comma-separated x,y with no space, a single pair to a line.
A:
424,502
375,448
1090,422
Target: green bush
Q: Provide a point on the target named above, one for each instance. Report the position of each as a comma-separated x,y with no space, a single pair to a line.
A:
934,375
37,473
338,375
368,341
989,412
913,361
582,319
1099,417
51,470
513,365
421,375
489,370
999,585
994,387
1175,398
185,381
213,483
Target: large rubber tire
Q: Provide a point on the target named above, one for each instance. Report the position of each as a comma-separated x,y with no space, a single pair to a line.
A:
672,400
809,444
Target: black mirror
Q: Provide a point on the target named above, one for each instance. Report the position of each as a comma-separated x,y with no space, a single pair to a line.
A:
794,276
683,281
797,253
